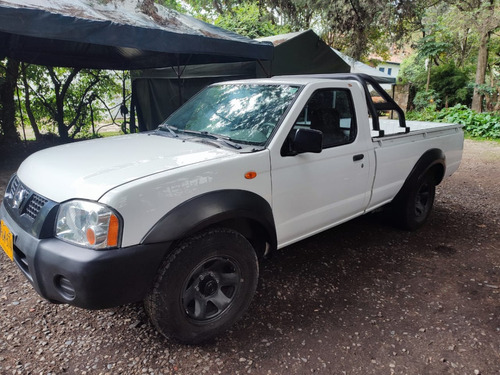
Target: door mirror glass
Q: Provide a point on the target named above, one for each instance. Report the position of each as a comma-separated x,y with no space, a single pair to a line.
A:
307,140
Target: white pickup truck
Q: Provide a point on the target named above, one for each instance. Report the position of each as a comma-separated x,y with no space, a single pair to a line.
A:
178,217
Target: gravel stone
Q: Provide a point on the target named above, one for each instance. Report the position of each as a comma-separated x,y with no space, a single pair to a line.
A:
363,298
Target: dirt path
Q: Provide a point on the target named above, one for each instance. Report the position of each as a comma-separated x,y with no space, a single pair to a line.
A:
363,298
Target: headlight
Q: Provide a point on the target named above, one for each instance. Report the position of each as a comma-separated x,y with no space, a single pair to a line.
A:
88,224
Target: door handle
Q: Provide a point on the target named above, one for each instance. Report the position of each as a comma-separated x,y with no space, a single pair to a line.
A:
358,157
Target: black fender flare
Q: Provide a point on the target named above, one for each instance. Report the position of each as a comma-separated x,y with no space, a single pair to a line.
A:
211,208
434,159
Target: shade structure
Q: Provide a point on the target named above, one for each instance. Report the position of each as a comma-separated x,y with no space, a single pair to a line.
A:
159,92
359,67
116,35
303,52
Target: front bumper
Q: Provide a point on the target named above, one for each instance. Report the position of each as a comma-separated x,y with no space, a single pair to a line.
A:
92,279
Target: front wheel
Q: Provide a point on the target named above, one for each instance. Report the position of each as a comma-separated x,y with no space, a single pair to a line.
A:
204,286
414,208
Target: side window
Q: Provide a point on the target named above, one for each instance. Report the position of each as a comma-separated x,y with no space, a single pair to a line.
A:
332,112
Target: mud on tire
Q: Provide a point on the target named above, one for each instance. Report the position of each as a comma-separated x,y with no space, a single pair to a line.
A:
414,208
204,286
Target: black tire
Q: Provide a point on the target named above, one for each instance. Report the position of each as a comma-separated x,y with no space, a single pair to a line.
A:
414,208
204,286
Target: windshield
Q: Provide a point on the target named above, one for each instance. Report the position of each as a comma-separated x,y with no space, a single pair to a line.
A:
243,113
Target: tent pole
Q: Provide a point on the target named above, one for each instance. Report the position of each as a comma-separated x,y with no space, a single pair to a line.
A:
179,73
268,74
179,82
133,128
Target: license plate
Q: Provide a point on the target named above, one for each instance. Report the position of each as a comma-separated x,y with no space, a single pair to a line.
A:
6,242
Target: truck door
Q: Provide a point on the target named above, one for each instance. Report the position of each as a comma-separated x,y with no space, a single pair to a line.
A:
312,192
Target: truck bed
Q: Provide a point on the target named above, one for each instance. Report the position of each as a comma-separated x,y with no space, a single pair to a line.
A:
392,128
396,150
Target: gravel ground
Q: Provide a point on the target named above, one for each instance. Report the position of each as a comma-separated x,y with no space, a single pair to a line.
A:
362,298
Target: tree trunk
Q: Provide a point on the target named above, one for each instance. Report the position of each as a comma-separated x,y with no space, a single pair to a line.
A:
428,75
463,50
61,127
482,61
492,99
27,104
7,95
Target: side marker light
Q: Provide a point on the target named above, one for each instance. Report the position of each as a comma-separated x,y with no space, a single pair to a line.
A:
250,175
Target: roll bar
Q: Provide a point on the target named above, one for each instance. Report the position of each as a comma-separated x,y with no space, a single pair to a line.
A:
388,105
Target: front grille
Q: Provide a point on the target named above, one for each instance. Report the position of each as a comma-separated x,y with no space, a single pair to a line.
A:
33,212
13,186
34,206
23,202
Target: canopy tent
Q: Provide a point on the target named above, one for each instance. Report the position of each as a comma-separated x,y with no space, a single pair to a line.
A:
302,52
116,35
160,91
359,67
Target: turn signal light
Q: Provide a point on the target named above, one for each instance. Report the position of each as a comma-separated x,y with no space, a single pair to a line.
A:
250,175
113,231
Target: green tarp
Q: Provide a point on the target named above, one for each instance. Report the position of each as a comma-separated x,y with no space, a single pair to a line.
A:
158,92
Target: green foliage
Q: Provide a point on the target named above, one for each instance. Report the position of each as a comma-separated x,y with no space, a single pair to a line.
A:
65,99
430,47
412,71
172,4
425,99
451,84
484,89
485,125
357,27
247,19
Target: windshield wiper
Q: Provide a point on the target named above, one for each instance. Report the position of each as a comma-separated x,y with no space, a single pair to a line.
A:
232,144
199,132
170,128
223,138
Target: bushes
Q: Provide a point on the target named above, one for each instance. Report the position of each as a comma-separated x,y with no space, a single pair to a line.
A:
486,125
424,99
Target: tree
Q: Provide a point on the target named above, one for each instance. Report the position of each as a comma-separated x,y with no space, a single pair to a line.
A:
483,16
249,20
65,96
8,77
450,83
452,41
354,26
431,49
27,102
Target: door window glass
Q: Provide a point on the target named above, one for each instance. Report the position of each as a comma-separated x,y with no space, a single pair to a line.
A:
330,111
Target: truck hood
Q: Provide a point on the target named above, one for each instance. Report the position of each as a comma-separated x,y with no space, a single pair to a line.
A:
91,168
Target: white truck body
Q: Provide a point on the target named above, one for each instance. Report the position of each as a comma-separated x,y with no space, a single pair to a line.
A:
164,187
152,175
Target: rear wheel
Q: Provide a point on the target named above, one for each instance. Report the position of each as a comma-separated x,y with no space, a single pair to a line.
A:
204,286
414,208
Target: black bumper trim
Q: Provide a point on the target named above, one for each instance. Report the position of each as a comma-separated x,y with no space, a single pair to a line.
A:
100,278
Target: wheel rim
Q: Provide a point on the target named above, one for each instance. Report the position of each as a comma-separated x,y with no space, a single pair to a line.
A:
211,289
423,200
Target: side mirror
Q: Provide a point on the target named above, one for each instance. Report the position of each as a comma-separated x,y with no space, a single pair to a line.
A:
307,140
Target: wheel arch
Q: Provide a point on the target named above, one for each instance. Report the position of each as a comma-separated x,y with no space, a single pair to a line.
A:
432,161
244,211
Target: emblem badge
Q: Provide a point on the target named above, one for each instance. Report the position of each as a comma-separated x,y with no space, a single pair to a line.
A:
19,198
